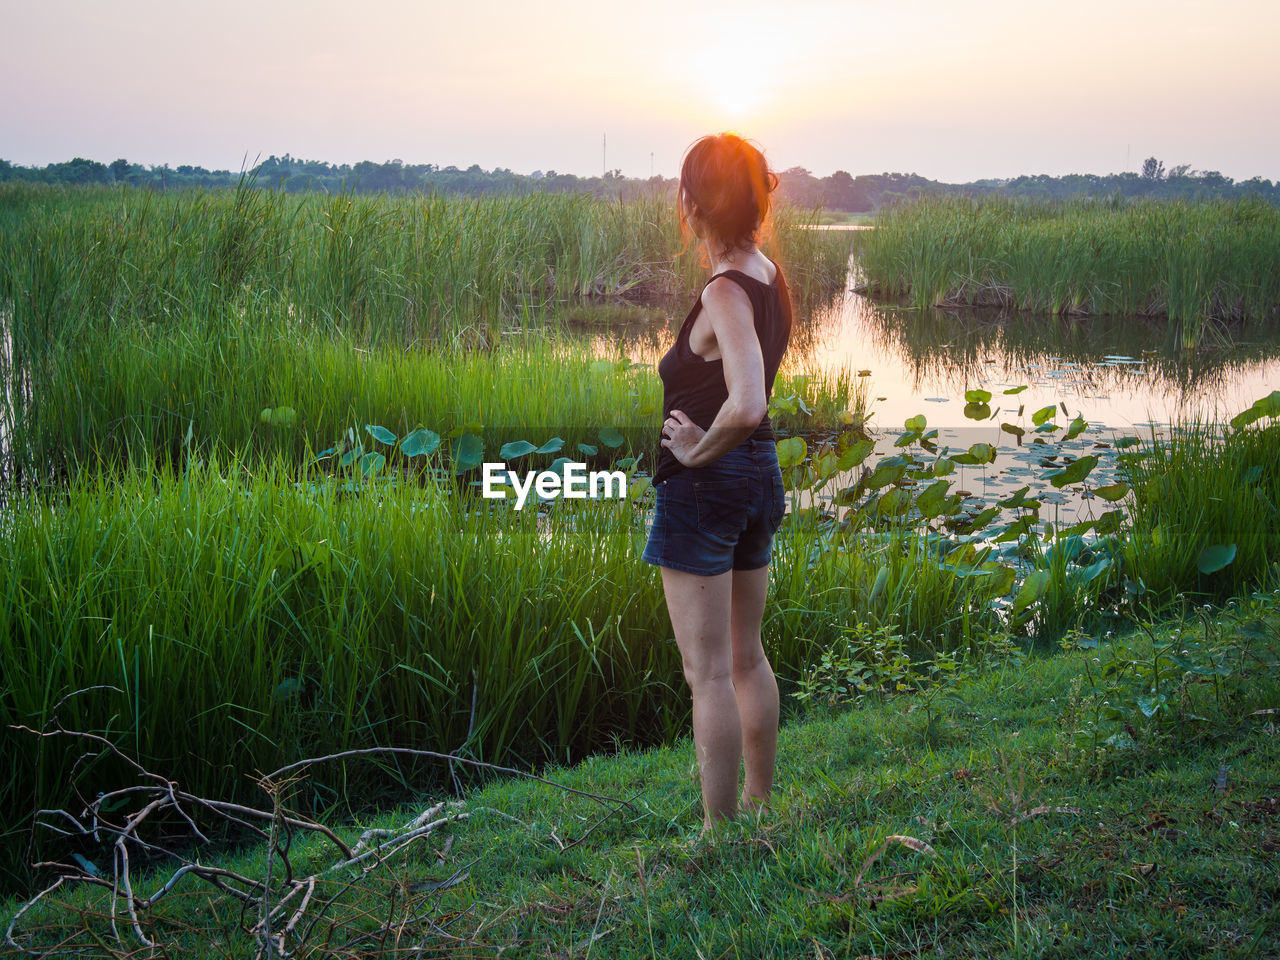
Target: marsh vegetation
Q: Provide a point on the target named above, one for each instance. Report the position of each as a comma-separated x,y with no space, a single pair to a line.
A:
242,515
1199,265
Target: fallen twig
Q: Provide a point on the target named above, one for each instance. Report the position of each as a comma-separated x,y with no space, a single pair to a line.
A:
270,896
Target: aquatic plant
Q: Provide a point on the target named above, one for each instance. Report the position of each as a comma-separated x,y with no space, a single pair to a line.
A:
250,616
135,396
1196,264
407,268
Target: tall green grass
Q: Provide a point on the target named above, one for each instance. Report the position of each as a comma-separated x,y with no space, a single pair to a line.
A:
417,267
149,310
1190,262
142,396
1201,496
250,618
411,267
246,619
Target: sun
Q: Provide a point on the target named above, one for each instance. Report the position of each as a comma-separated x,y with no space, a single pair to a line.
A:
737,101
736,71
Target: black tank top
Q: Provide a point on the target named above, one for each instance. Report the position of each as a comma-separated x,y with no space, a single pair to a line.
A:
697,387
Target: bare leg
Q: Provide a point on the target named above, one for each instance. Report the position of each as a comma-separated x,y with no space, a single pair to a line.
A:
700,609
756,686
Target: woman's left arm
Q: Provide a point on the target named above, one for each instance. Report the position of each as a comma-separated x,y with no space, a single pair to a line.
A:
729,309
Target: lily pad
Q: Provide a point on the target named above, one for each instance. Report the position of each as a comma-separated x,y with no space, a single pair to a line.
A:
1032,589
1077,427
1214,558
791,451
420,443
468,452
1074,472
895,502
516,449
381,434
1268,406
1112,492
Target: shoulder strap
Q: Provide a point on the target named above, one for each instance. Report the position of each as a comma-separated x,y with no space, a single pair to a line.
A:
740,278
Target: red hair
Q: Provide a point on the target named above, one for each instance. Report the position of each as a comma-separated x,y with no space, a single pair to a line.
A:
729,181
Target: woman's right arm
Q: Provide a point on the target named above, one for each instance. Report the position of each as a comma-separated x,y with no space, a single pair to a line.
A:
732,318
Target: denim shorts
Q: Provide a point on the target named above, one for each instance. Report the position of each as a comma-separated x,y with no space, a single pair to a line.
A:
720,517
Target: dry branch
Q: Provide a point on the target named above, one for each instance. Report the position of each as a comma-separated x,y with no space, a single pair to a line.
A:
285,904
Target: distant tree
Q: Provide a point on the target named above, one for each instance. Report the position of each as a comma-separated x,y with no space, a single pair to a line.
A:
800,187
77,170
1260,186
842,192
839,191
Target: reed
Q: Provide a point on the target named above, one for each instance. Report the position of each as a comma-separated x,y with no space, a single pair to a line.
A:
1192,263
1202,495
415,267
144,396
129,315
249,617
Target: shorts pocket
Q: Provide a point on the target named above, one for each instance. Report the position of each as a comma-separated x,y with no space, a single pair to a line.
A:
722,506
779,500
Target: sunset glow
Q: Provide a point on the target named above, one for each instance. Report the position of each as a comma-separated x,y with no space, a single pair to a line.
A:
738,69
953,92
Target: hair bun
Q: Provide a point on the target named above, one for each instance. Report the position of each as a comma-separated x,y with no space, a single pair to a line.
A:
728,179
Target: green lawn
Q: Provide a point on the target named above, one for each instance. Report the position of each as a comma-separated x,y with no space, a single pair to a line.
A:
1060,821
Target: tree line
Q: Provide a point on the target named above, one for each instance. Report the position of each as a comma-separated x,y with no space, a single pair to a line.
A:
839,191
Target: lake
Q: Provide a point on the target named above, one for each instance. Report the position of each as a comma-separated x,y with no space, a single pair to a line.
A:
1124,376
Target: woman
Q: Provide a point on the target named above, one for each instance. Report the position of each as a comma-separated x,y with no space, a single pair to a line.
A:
719,489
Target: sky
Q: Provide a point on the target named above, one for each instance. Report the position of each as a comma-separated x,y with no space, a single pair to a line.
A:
953,91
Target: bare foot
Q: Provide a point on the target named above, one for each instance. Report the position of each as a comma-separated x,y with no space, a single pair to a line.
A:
753,806
713,828
706,835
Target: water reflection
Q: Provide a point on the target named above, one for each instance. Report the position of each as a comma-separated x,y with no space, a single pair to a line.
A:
1123,376
1114,372
1118,373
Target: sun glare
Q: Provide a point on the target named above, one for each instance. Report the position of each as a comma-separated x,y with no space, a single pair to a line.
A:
736,72
737,101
